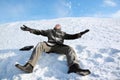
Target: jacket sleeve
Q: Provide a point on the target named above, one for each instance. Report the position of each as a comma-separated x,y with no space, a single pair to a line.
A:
39,32
72,36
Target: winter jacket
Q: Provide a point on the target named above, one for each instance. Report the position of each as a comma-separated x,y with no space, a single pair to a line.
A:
56,36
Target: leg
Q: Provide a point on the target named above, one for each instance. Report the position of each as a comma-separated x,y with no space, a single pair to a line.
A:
68,51
41,47
71,59
28,67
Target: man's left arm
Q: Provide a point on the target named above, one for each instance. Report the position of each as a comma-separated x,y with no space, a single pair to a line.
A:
75,36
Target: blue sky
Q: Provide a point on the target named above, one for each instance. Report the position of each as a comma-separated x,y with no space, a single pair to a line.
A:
23,10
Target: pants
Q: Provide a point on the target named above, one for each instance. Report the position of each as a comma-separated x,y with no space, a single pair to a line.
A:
60,49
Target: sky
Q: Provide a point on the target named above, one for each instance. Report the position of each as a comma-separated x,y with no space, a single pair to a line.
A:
26,10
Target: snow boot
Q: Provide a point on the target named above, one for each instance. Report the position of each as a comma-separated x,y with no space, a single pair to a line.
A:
76,69
28,68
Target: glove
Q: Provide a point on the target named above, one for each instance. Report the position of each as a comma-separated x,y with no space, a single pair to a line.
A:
25,28
83,32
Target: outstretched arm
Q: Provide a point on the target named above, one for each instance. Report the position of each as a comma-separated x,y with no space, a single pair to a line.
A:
75,36
34,31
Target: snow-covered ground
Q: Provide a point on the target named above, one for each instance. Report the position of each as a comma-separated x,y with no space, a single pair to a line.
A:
98,50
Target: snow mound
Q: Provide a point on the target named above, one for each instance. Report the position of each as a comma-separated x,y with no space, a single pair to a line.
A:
98,50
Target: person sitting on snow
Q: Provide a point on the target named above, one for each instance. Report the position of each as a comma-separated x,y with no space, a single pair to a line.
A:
54,44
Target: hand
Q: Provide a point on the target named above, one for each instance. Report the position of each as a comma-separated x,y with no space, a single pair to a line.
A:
25,28
83,32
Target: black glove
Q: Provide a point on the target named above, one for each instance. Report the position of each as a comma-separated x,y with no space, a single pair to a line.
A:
83,32
25,28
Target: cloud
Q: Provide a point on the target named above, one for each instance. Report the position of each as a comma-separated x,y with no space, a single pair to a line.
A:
110,3
99,14
110,15
116,14
63,8
68,5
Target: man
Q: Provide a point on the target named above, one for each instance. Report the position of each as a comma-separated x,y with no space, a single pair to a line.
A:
54,44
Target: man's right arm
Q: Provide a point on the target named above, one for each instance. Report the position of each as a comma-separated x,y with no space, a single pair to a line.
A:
34,31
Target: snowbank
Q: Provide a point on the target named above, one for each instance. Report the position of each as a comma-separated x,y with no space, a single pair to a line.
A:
98,50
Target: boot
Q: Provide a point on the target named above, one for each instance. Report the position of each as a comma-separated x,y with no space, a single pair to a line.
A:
76,69
28,68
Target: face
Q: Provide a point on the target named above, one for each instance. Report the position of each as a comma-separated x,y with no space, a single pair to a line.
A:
57,27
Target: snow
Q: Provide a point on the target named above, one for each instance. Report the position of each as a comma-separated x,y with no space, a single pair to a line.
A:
98,50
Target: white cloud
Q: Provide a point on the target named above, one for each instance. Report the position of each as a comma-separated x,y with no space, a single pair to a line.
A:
116,14
63,8
110,3
110,15
68,4
98,15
